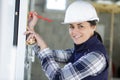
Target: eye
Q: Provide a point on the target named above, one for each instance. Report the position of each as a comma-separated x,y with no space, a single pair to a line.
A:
80,26
71,27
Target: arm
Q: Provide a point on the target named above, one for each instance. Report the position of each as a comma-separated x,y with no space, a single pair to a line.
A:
62,55
91,64
59,55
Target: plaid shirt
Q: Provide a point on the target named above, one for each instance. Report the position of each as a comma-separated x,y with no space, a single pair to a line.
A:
89,65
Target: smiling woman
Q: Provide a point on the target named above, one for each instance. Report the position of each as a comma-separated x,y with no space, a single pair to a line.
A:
87,60
81,32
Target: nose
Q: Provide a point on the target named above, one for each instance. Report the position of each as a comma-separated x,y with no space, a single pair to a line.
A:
75,30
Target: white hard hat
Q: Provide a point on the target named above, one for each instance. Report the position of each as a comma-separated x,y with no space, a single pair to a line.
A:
80,11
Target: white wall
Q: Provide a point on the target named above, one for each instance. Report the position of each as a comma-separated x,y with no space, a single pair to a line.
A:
6,38
12,58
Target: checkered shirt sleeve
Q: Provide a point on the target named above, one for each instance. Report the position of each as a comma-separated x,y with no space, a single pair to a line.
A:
59,55
92,64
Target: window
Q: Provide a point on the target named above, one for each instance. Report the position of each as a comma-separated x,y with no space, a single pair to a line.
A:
56,4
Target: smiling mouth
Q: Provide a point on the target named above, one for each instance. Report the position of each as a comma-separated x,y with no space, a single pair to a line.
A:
76,37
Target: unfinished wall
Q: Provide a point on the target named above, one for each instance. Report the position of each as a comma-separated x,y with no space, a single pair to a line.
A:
57,37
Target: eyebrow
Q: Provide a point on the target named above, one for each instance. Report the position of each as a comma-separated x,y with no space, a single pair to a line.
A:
77,24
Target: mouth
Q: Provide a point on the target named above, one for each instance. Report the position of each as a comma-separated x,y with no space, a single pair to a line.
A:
76,37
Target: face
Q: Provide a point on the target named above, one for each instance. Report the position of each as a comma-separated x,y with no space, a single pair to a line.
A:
81,32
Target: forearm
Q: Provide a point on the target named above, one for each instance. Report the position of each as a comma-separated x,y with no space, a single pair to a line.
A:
78,70
59,55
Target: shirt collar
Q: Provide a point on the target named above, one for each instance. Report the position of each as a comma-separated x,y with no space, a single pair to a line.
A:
86,45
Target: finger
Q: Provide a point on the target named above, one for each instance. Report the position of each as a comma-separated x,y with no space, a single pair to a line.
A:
28,38
34,13
28,32
31,39
31,36
30,14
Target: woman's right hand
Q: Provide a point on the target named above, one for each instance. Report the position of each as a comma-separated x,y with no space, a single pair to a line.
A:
32,19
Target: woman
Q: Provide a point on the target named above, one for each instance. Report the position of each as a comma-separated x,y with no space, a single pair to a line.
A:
87,60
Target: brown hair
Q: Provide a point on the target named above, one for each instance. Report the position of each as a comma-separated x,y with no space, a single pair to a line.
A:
94,23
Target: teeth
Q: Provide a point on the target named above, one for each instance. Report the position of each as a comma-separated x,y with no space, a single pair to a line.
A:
76,36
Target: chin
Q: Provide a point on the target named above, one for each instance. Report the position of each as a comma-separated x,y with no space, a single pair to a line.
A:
78,43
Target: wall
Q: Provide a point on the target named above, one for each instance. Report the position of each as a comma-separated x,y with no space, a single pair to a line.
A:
57,37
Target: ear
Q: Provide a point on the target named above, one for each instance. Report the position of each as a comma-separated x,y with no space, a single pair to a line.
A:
94,28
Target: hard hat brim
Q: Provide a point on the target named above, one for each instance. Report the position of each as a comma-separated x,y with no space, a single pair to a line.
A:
97,19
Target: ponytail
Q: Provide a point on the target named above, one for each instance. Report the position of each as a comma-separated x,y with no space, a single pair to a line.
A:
93,23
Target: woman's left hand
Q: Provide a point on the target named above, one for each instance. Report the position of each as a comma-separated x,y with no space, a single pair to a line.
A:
33,35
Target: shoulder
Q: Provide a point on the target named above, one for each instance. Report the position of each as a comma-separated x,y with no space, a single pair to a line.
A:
98,48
